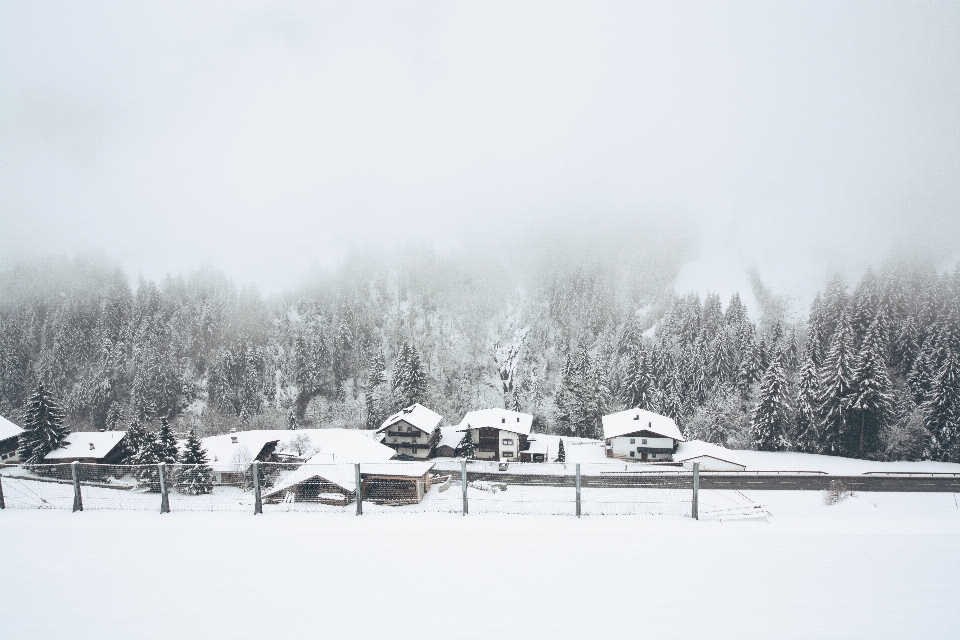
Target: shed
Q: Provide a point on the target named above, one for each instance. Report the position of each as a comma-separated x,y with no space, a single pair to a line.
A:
9,440
98,447
711,457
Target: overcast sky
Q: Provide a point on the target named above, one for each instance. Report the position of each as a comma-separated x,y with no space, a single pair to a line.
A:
264,138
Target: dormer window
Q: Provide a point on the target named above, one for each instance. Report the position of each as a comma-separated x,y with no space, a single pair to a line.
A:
503,420
233,439
92,447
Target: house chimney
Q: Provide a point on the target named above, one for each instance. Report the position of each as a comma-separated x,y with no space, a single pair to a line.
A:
636,417
91,446
503,420
649,425
233,439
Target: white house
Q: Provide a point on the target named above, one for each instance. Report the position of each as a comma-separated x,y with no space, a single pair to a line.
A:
231,454
711,457
636,434
498,434
412,432
9,440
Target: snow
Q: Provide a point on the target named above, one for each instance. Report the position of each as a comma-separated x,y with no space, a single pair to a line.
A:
450,437
335,445
8,429
633,420
876,565
698,448
497,418
790,461
86,444
417,415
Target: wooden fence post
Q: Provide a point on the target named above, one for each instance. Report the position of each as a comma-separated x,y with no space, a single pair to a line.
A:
77,498
164,498
257,497
696,490
356,473
463,483
578,489
3,505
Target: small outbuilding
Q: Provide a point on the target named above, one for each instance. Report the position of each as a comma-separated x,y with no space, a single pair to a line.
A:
335,484
97,447
450,438
711,457
9,440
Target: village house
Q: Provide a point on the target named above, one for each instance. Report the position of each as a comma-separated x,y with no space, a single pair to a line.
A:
412,432
450,438
9,440
711,457
636,434
96,447
498,434
230,455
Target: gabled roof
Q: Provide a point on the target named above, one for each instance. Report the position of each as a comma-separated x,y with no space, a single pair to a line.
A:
698,448
417,415
236,451
496,418
8,429
633,420
86,444
344,475
450,437
330,445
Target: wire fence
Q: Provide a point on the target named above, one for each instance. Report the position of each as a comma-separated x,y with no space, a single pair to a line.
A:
418,487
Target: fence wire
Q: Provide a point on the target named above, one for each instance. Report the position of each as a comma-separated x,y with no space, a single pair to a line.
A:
511,488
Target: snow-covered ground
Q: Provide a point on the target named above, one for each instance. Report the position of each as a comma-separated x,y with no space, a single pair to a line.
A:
875,565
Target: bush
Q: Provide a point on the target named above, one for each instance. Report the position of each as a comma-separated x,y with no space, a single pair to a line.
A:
836,492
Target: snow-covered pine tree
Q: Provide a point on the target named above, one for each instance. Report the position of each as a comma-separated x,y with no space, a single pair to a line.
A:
137,436
639,389
942,411
921,374
871,396
770,420
166,443
836,382
195,477
43,429
467,448
807,438
561,454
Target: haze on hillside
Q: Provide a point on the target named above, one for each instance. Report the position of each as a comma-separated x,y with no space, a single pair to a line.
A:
267,139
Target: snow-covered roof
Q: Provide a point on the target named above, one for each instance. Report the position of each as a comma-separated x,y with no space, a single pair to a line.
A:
698,448
450,437
502,419
8,429
538,445
417,415
328,445
633,420
86,444
400,469
236,451
344,475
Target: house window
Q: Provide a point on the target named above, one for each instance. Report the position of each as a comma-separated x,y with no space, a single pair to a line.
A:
508,441
508,454
233,439
653,455
644,441
633,455
414,449
633,441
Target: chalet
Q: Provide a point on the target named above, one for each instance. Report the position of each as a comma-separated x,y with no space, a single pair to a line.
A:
412,432
335,484
498,434
9,439
231,454
636,434
98,447
711,457
450,438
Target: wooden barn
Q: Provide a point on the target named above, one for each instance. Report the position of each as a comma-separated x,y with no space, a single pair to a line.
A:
98,447
335,484
9,440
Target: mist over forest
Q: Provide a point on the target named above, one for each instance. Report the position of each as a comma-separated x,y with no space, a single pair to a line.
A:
859,373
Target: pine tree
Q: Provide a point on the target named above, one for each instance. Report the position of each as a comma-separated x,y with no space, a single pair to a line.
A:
166,443
770,419
807,438
195,477
639,390
135,440
466,448
836,381
43,429
942,412
871,394
561,454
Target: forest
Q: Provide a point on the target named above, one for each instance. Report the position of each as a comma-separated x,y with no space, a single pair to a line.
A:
870,370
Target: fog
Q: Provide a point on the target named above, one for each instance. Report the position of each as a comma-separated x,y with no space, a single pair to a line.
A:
269,138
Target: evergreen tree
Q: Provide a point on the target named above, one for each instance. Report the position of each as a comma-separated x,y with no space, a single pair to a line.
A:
942,412
466,448
166,443
409,380
134,442
195,477
43,429
836,382
770,419
561,454
871,396
639,389
807,439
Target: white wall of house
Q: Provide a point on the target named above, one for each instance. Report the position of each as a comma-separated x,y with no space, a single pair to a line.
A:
622,446
502,449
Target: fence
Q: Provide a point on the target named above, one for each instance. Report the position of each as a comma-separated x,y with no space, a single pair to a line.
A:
449,487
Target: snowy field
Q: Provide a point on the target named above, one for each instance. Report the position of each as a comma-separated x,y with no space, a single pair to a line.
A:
875,565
